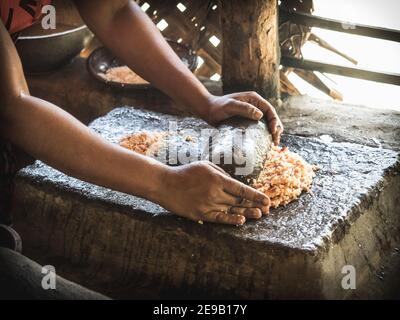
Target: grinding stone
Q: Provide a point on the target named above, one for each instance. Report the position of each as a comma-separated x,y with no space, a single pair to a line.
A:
248,141
111,238
348,172
238,146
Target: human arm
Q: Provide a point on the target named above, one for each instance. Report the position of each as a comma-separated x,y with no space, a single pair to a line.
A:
57,138
126,30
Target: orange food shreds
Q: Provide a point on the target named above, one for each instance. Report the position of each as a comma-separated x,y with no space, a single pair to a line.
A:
142,142
123,75
284,177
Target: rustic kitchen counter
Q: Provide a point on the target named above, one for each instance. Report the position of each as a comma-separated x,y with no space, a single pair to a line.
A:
128,247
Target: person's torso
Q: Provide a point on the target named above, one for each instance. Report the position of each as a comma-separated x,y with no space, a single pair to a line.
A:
17,15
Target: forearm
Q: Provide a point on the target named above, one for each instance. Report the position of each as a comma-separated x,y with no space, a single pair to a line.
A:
132,36
52,135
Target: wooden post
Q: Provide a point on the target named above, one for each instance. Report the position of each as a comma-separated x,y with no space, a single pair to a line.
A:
250,47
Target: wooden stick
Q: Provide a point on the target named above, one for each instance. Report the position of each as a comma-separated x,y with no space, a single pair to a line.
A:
385,77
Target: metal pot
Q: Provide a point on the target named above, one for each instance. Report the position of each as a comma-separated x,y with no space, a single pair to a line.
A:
44,53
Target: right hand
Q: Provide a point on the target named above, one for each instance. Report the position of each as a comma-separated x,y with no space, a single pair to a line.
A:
201,191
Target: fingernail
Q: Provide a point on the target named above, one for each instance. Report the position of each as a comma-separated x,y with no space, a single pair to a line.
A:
241,221
258,115
266,202
258,214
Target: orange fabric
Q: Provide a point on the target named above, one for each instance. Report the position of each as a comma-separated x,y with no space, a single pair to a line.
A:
17,15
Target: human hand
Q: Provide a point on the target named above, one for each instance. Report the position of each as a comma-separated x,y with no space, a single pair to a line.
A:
245,104
201,191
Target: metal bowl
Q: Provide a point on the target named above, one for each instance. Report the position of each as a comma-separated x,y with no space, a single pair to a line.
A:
45,53
102,60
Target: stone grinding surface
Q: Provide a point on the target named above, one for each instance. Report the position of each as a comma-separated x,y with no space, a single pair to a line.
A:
123,121
348,175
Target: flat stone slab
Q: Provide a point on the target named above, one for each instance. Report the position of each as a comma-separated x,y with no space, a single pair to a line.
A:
129,240
312,117
237,145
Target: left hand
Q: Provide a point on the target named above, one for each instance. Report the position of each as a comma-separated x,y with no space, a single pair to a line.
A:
245,104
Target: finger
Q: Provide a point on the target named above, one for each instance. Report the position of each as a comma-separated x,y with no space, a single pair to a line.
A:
224,217
253,205
274,123
250,213
271,116
277,137
243,109
246,96
265,210
238,189
275,126
229,200
253,98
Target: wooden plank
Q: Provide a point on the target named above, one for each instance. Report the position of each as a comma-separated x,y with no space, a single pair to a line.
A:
210,64
360,73
341,26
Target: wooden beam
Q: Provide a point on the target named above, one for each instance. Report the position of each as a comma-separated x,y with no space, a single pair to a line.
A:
385,77
250,46
341,26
